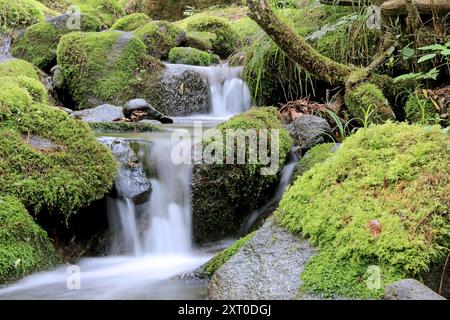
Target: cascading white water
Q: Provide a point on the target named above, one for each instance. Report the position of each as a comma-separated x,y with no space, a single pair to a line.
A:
169,209
229,93
5,47
128,237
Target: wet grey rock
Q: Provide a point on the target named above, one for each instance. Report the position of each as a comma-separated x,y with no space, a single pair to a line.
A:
410,289
307,131
141,105
179,91
103,113
268,266
132,181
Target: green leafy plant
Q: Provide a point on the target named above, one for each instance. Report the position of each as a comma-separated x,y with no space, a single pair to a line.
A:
435,51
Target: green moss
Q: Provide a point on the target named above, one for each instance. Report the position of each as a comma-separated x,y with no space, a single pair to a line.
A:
246,29
57,5
315,155
24,246
223,256
103,67
18,14
218,212
34,87
200,40
421,110
17,67
131,22
39,42
68,172
381,200
367,104
123,127
225,42
107,10
160,37
189,56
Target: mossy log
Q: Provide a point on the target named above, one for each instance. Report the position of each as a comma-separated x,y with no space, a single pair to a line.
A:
296,47
399,7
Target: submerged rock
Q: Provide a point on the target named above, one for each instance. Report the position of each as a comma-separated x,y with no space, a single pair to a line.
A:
103,113
141,109
132,181
307,131
410,289
268,266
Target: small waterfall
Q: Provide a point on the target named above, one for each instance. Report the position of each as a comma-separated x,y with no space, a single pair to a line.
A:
162,225
169,209
229,94
5,47
285,177
128,237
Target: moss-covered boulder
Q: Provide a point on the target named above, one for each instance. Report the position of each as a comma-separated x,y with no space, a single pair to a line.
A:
131,22
49,161
160,37
17,67
24,246
191,56
19,14
377,209
106,67
107,10
226,38
315,155
367,104
38,43
199,40
223,194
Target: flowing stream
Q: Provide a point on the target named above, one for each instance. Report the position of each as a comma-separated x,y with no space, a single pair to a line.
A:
158,238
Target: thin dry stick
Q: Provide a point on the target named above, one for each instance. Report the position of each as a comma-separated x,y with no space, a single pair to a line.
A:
443,274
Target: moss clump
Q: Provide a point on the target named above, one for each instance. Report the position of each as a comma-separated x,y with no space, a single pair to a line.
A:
218,212
223,256
119,127
18,14
419,109
200,40
225,42
24,246
48,160
160,37
35,88
190,56
367,104
39,42
105,67
131,22
17,67
315,155
107,10
381,200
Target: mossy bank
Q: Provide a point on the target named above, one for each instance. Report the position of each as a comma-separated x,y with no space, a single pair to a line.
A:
380,203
